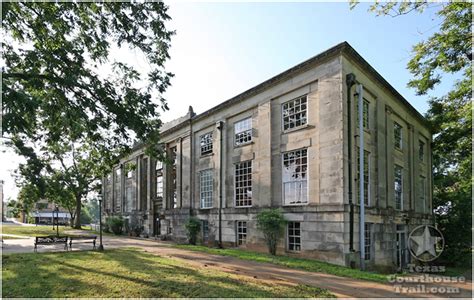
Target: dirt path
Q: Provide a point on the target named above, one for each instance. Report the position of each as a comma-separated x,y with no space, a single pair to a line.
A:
339,286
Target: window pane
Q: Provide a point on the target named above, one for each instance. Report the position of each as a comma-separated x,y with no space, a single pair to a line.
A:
206,188
243,131
365,118
368,240
206,143
366,177
241,232
294,236
398,188
397,133
294,177
421,151
243,183
294,113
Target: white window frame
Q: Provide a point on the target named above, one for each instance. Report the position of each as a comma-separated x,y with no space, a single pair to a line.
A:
206,143
397,126
206,188
243,188
241,127
241,231
289,236
159,180
395,168
298,182
302,113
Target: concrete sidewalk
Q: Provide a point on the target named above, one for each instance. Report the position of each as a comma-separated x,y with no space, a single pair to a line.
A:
339,286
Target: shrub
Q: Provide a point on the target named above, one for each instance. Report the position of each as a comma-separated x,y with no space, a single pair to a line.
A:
193,226
135,228
115,224
272,223
31,220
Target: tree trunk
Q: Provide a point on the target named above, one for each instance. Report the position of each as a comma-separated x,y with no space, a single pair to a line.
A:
77,221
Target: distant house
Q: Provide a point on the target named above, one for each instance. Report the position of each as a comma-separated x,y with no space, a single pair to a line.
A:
44,213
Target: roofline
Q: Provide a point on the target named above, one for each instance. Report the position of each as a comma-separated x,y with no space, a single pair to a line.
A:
358,58
341,48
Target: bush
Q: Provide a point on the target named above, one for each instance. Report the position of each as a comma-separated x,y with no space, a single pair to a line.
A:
115,224
135,228
193,226
272,224
31,220
106,227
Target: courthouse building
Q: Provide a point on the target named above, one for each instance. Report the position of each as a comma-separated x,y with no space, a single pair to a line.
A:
291,142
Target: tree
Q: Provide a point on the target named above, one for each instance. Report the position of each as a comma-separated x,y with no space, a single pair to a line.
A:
448,51
92,207
58,102
27,197
272,223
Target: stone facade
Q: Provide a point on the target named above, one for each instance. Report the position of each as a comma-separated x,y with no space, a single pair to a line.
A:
285,143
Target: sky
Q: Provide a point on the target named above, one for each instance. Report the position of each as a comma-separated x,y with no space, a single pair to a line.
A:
223,49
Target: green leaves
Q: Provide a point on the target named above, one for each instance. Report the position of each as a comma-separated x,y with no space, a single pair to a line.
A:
447,51
61,110
54,51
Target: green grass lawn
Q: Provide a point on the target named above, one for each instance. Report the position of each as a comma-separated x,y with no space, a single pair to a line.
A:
291,262
130,273
34,230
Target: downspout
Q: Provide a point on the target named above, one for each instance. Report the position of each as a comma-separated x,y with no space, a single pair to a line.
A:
180,172
350,81
220,127
191,166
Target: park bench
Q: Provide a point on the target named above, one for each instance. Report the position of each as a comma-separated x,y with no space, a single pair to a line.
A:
50,240
83,239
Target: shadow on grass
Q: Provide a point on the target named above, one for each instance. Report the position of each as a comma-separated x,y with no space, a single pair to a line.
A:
128,273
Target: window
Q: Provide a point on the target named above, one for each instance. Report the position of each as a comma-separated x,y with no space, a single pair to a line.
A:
397,133
423,192
368,240
398,186
366,176
205,230
206,143
159,179
129,198
243,131
117,190
243,184
295,177
421,151
173,177
205,185
294,236
241,232
365,116
294,113
130,167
